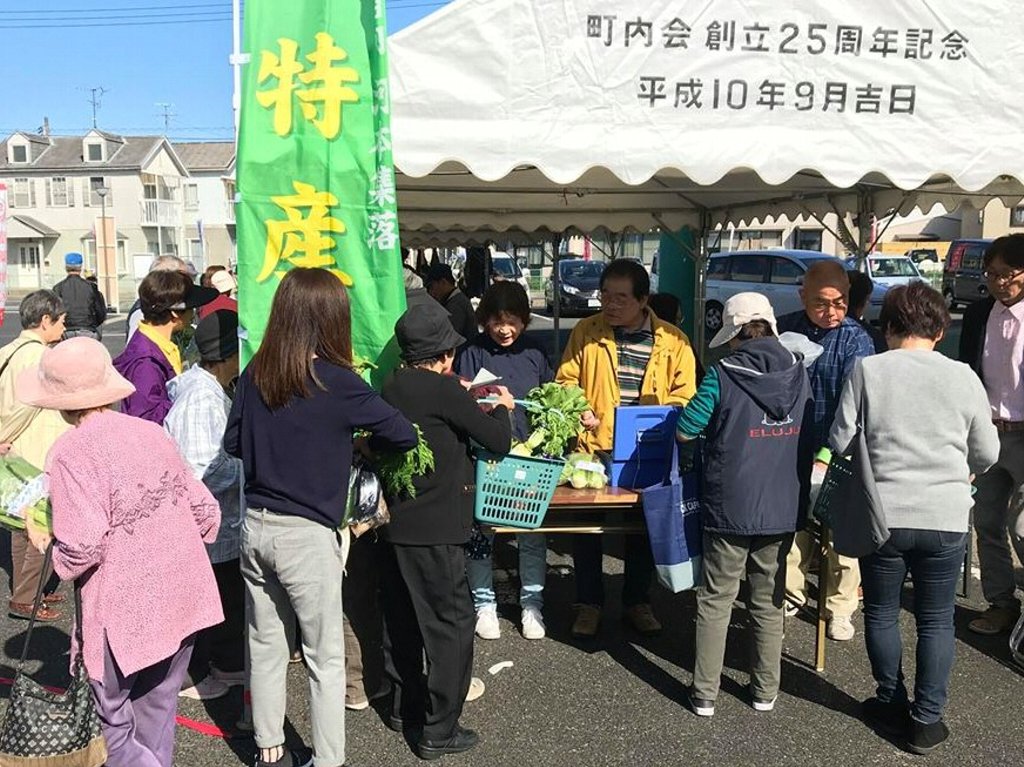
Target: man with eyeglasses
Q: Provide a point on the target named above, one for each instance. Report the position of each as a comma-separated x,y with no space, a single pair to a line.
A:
992,343
824,320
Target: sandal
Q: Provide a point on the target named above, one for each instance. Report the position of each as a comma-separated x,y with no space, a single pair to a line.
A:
54,599
23,611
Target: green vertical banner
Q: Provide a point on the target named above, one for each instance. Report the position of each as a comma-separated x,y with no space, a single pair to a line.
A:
316,182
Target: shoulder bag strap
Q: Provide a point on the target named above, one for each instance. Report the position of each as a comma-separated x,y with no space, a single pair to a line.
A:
3,368
35,608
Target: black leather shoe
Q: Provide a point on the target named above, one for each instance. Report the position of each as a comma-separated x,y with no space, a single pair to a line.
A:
890,718
925,738
461,740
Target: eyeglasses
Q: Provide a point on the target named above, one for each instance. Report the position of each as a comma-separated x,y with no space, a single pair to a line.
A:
1002,276
821,305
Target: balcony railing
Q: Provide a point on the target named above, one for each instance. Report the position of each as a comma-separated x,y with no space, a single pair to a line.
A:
161,213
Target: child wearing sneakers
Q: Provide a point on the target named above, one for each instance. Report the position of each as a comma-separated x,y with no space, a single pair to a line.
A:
752,407
502,349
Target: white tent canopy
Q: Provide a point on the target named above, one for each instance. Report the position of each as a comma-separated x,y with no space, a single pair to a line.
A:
543,115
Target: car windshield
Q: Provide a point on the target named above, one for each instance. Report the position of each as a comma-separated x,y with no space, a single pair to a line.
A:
892,267
579,271
505,267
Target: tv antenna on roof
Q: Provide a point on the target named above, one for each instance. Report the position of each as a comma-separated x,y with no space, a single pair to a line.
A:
167,114
97,95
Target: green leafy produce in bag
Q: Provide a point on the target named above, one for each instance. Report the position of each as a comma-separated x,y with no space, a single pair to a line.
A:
397,470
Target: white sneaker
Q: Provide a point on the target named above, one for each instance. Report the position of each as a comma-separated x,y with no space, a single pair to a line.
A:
208,689
841,629
533,624
476,689
487,626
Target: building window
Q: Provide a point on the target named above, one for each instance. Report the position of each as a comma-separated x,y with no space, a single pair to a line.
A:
19,153
24,193
95,183
28,256
1017,216
807,239
61,192
94,152
191,196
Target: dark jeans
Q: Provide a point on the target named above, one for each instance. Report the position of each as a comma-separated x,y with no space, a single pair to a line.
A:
587,551
933,560
222,646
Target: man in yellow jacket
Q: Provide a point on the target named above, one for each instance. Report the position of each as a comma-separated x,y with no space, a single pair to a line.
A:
623,355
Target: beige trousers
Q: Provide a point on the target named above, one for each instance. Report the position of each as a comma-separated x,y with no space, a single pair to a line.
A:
842,598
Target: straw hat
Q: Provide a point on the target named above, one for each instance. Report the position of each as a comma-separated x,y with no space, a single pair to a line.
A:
76,374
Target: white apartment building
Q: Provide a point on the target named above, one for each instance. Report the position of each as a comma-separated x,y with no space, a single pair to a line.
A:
208,208
58,186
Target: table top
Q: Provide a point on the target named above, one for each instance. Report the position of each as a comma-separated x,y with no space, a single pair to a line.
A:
606,496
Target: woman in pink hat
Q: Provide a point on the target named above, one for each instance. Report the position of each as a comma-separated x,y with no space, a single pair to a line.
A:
131,533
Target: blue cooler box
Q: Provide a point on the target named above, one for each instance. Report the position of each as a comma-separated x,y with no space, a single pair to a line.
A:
644,437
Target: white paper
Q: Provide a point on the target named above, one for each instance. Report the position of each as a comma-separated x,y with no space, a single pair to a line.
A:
484,377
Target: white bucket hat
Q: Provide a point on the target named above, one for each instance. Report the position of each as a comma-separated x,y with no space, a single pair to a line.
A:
741,309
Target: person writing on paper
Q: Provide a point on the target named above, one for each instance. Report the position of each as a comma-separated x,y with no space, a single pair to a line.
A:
623,355
428,611
753,406
922,466
129,523
522,364
825,320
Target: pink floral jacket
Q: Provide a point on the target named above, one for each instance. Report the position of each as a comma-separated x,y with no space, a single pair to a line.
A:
130,522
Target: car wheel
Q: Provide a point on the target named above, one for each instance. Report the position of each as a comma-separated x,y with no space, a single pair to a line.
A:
713,317
950,299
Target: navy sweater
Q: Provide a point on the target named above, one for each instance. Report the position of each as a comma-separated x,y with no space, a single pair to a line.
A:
298,458
522,366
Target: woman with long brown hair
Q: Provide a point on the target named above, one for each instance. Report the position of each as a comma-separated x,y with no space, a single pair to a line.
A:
291,423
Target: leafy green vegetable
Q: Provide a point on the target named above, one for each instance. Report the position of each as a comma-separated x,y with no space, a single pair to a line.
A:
555,417
397,470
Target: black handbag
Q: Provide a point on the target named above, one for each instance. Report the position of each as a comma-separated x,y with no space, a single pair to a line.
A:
50,729
848,502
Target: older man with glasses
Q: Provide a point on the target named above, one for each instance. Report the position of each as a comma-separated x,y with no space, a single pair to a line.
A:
992,343
824,320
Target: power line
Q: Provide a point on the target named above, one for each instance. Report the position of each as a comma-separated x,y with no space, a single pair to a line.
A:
120,9
129,16
115,24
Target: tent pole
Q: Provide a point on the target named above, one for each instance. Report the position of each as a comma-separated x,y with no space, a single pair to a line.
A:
865,212
700,294
556,290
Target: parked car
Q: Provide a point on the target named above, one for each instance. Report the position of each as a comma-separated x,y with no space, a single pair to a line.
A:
917,255
962,281
777,274
579,286
887,270
504,267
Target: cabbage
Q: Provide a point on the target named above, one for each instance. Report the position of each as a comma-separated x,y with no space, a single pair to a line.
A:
578,479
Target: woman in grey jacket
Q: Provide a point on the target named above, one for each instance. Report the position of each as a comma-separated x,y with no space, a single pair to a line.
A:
928,427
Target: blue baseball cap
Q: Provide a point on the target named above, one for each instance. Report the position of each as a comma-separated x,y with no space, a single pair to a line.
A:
73,259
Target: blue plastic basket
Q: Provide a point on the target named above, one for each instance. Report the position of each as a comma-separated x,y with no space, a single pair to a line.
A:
512,491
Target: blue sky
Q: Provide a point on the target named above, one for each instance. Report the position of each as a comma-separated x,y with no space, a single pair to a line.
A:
57,50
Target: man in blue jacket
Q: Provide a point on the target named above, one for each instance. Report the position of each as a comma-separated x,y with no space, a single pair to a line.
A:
825,320
753,407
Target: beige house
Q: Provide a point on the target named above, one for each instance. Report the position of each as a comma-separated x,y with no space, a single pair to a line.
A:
57,188
208,196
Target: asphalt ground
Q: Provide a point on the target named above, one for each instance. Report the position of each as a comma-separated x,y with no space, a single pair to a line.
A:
618,700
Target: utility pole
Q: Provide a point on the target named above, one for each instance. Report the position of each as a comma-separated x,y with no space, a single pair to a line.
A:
97,95
168,114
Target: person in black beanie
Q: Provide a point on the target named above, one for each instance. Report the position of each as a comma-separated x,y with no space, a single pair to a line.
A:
426,600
